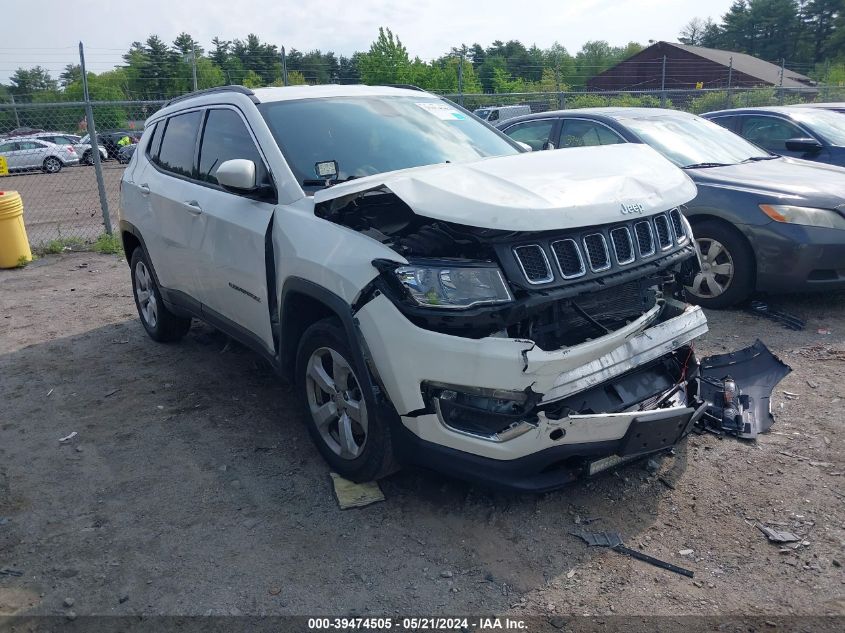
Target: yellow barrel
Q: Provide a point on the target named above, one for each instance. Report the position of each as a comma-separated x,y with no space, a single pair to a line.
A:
14,245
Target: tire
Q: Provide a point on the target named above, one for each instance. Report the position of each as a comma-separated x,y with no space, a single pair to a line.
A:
88,158
728,267
341,418
52,165
161,324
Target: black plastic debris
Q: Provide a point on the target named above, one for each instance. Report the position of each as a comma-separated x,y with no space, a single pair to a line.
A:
613,540
789,321
598,539
778,536
737,387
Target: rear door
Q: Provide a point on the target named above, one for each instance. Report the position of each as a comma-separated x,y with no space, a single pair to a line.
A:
232,229
537,133
31,154
577,132
168,182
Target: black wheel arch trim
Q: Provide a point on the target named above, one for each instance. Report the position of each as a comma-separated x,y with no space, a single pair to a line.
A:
357,345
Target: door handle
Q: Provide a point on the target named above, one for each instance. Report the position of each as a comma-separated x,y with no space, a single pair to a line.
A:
145,189
193,207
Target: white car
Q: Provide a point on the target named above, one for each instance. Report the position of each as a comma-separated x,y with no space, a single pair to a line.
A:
438,296
497,114
26,153
82,146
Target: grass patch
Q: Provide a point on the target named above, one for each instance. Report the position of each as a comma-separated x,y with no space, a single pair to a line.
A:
107,244
54,247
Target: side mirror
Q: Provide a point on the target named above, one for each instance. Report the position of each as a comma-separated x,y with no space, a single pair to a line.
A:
803,145
237,174
525,146
548,145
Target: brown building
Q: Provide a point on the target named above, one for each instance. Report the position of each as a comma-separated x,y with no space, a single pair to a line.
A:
688,67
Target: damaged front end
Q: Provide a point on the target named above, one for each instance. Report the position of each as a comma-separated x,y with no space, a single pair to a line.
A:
528,358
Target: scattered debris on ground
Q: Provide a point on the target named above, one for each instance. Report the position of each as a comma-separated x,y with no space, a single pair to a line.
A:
353,495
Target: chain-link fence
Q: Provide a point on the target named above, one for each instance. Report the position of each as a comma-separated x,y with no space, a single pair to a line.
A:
50,159
50,156
696,101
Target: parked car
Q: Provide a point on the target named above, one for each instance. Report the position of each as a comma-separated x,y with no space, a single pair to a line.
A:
496,115
109,140
437,296
83,150
25,153
838,106
808,133
125,153
762,222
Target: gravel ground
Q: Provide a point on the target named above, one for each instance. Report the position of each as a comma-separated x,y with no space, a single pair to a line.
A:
193,488
65,204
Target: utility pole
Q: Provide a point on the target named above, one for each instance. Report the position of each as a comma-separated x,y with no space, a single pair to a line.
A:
284,67
95,146
730,80
782,68
461,75
663,84
15,110
194,63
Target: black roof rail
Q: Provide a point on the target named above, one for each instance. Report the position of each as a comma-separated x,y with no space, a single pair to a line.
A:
405,86
239,89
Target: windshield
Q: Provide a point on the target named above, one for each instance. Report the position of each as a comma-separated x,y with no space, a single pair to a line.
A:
829,125
689,140
372,135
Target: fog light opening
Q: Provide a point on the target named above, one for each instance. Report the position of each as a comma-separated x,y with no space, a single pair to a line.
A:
557,434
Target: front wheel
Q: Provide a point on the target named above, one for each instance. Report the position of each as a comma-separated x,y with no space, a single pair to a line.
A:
727,267
52,165
341,420
159,322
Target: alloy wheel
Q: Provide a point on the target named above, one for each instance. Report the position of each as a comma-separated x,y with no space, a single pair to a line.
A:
145,295
336,403
717,269
52,165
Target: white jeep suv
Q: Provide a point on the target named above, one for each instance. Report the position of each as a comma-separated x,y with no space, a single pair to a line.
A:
438,295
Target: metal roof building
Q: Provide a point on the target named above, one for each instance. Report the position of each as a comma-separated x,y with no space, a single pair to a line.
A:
689,67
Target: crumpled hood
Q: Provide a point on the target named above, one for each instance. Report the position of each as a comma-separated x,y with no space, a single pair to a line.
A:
534,191
793,180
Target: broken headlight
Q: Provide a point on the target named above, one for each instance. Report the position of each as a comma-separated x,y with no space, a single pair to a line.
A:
444,284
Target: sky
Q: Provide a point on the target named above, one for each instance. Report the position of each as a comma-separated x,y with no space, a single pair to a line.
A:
428,28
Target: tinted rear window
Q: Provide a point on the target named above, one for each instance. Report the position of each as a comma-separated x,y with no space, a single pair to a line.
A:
177,147
155,140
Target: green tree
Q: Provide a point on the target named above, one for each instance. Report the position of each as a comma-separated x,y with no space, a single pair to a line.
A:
386,62
27,82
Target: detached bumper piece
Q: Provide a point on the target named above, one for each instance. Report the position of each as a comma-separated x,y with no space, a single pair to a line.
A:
737,388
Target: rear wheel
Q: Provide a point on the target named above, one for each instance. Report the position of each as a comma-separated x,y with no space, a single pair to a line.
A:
88,158
347,431
52,165
727,267
159,322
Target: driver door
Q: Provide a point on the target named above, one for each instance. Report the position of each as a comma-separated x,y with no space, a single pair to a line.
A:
232,230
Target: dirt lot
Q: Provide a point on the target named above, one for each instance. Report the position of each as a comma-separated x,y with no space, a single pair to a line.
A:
193,488
65,204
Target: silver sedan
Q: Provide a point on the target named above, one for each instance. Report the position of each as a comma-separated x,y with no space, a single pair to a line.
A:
25,153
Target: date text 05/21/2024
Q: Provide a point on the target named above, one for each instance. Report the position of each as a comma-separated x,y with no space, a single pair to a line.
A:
417,624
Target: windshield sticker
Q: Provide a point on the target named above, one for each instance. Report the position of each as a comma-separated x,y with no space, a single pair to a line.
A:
443,111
